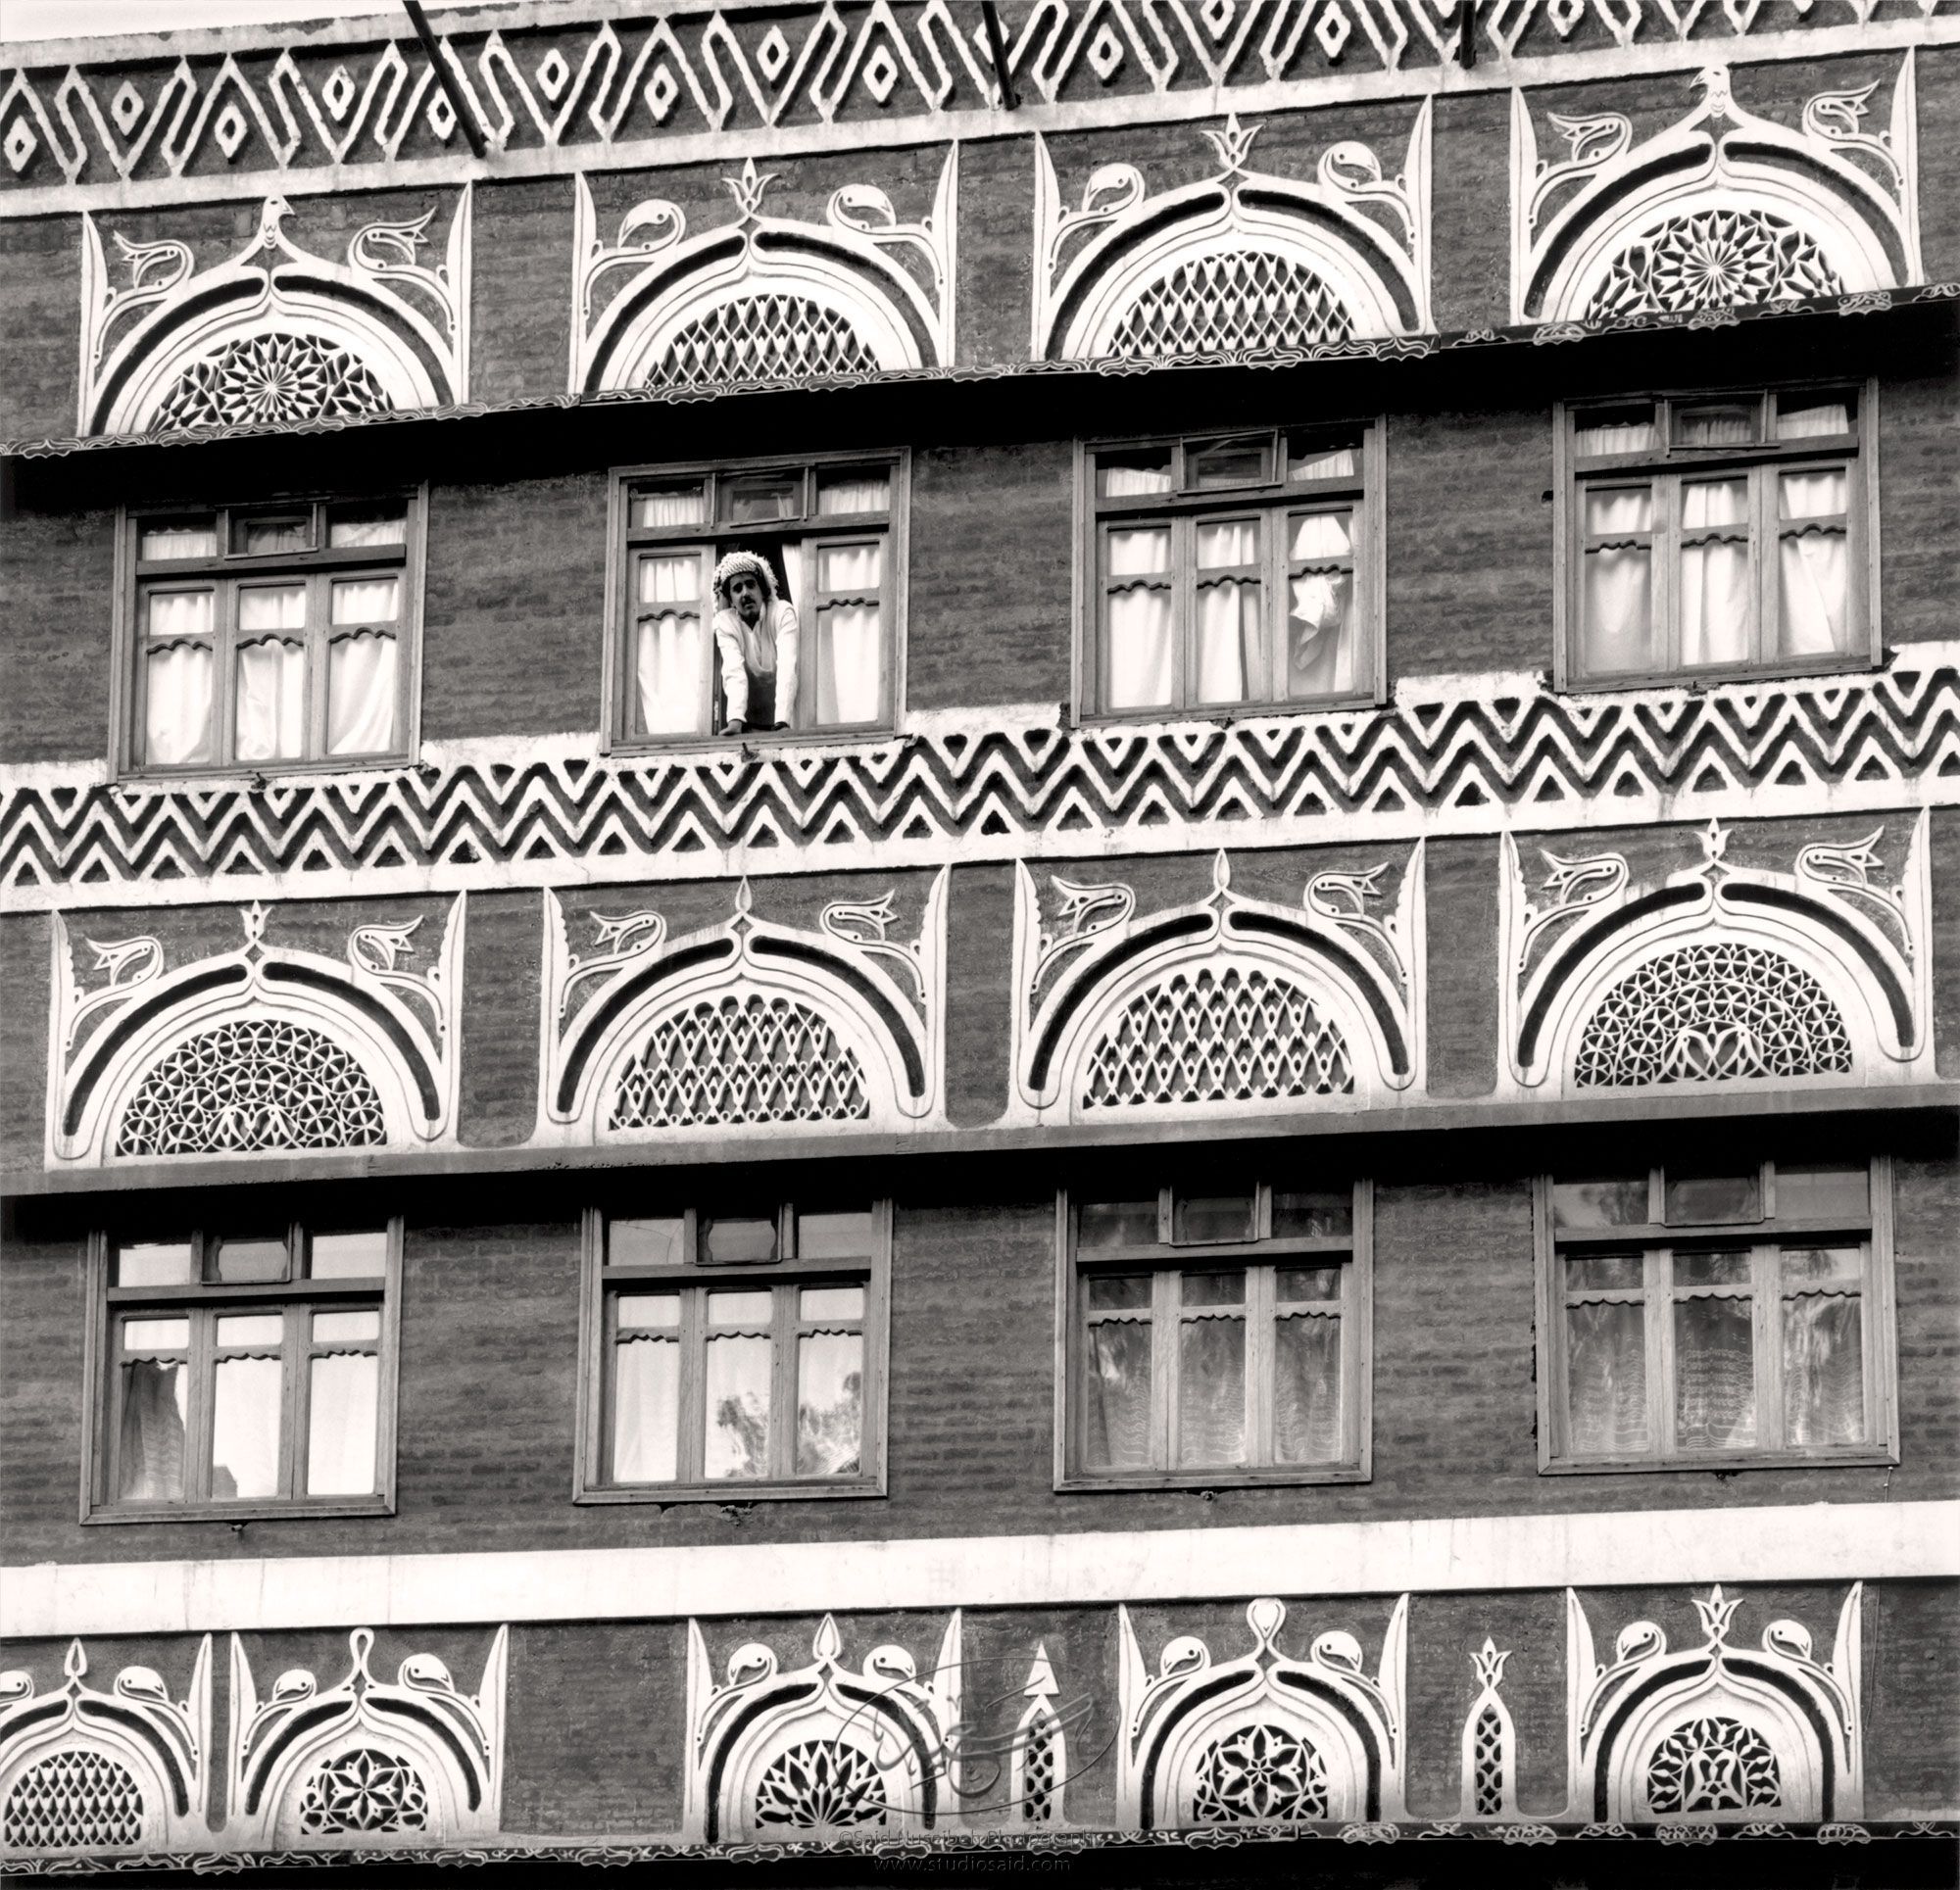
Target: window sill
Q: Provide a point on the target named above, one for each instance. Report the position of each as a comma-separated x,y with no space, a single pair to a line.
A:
681,747
239,1512
246,774
1193,1482
1226,715
1730,1461
1693,680
725,1494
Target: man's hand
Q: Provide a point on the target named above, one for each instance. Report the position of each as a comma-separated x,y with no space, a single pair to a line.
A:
735,726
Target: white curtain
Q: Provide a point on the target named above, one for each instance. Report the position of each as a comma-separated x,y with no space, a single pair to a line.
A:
1320,651
1810,422
673,506
1717,428
340,1425
268,712
1812,579
1232,661
671,647
1618,605
1714,577
1134,482
861,492
1338,464
1141,646
360,694
391,529
176,713
177,541
1625,436
850,648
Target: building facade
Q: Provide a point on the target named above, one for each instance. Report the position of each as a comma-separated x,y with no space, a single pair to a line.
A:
958,941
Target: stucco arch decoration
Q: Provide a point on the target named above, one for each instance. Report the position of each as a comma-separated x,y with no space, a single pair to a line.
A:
1241,262
824,1751
273,334
1265,1738
1715,1733
263,1050
83,1771
1720,972
365,1761
763,298
1722,208
744,1027
1227,1004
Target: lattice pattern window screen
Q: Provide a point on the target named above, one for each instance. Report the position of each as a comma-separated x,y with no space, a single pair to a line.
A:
1488,1764
1037,1780
1243,299
249,1085
823,1785
271,377
1713,258
363,1790
73,1801
1714,1765
762,337
1258,1774
1211,1037
1711,1011
735,1059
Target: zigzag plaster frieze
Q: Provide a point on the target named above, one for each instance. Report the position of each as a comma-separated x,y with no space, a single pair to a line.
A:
1471,755
157,118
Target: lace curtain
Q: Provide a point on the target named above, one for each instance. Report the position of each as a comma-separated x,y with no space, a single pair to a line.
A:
1142,649
849,640
670,639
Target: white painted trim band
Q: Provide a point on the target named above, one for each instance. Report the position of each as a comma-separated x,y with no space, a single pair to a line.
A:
1814,1542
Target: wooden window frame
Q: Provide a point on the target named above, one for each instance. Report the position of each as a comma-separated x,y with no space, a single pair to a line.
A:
694,1279
1761,1239
1663,467
228,573
1275,499
203,1304
1258,1257
626,540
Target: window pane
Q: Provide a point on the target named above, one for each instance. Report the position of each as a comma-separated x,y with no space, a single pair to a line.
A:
1803,1267
349,1257
268,710
1214,1289
739,1308
854,489
1603,1273
262,1331
347,1329
1141,651
245,1427
1232,660
834,1237
1691,1198
1118,1291
1616,1203
753,498
361,526
646,1312
1302,1214
647,1244
1617,599
240,1262
1711,1269
850,663
150,1449
855,568
1231,462
1716,605
272,607
681,505
181,538
179,613
1320,607
1714,1374
737,1375
176,709
831,1302
646,1409
341,1420
1117,1224
274,532
1133,476
1813,587
737,1243
1823,1369
1304,1285
1716,424
1606,1379
154,1264
1307,460
366,600
1801,416
1211,1389
1821,1190
671,645
1118,1400
1212,1217
1629,429
155,1334
361,696
830,1396
1306,1393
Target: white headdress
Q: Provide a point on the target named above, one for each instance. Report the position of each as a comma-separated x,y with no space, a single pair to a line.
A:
734,565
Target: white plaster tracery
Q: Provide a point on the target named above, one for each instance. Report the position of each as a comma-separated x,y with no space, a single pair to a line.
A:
1227,1004
763,298
1038,1772
1718,972
1724,207
266,1048
1715,1733
1263,1738
273,332
1238,262
825,1750
83,1770
1489,1744
744,1024
365,1761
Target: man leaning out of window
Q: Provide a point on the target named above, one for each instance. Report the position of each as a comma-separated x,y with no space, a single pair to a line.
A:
755,634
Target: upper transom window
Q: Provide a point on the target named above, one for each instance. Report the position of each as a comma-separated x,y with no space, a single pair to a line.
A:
272,636
1234,571
814,652
1719,535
